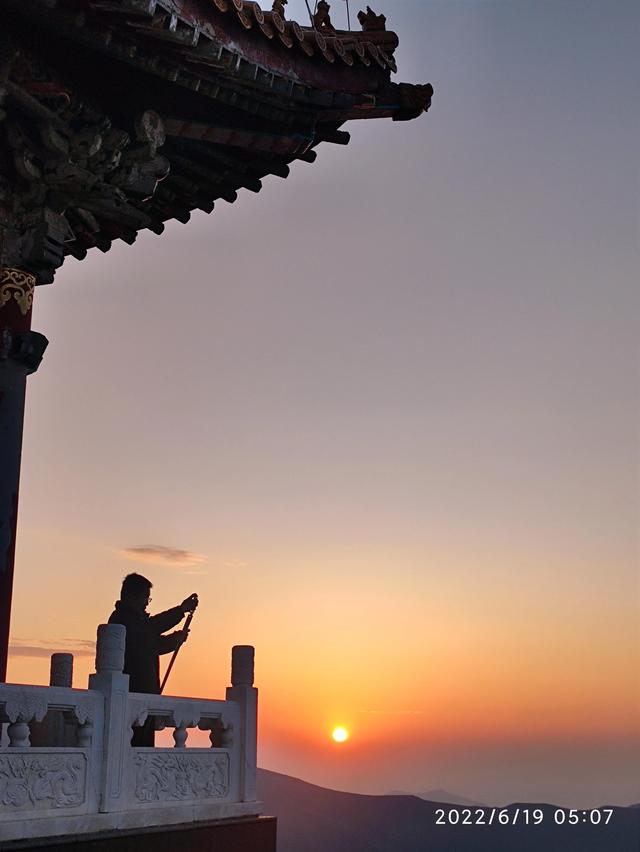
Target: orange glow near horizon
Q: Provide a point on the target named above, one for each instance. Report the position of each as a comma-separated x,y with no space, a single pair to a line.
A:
433,677
469,679
413,662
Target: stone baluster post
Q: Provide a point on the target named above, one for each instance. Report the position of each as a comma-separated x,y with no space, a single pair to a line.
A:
53,730
61,674
245,694
114,685
61,671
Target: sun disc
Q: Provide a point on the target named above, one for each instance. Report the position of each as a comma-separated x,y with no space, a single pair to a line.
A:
340,734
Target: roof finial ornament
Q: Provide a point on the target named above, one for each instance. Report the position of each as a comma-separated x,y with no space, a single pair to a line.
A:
278,7
370,22
322,19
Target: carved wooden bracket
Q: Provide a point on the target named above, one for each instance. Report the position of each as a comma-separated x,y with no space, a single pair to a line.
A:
69,172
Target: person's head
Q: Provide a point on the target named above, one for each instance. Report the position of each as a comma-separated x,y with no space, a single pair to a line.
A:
136,591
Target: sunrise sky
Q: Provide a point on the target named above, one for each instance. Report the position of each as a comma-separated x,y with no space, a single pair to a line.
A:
383,418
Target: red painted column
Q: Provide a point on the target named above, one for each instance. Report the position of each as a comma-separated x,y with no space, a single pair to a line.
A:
16,362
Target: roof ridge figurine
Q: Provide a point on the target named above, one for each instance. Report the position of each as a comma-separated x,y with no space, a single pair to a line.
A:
278,8
322,19
371,22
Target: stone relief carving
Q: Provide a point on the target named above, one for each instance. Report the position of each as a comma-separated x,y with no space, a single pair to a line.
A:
25,707
187,715
139,717
41,781
82,712
177,778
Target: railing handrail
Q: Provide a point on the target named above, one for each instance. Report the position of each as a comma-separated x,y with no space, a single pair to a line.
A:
161,701
32,701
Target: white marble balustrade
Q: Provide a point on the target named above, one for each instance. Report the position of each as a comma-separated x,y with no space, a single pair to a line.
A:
67,765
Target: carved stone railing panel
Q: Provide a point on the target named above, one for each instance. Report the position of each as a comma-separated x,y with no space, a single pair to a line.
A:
222,760
163,776
34,780
49,778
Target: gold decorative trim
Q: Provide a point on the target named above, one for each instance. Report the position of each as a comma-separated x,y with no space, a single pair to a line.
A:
17,285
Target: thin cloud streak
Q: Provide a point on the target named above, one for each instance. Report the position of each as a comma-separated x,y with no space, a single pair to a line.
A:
44,648
394,712
160,554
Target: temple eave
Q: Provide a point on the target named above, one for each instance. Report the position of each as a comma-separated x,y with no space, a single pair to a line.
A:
238,94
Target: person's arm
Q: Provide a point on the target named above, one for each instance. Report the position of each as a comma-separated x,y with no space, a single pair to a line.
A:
169,643
166,620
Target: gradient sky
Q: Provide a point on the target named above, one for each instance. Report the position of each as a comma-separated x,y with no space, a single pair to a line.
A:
389,410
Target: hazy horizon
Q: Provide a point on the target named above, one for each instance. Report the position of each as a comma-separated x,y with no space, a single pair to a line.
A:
384,418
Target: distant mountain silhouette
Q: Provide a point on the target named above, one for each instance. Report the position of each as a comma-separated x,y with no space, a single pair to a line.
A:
313,819
439,796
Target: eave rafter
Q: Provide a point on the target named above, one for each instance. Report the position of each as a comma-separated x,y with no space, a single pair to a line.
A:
117,116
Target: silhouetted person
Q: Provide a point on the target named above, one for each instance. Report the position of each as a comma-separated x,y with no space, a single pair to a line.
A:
145,642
